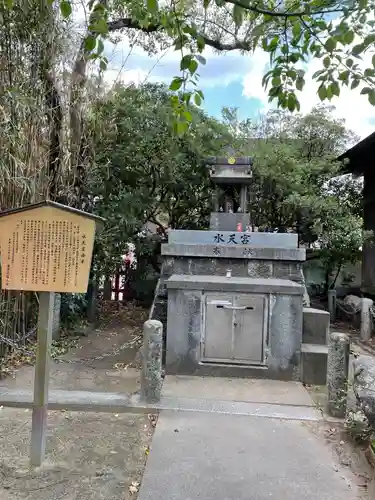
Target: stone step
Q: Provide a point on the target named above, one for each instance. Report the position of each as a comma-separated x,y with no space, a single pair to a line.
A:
314,364
315,326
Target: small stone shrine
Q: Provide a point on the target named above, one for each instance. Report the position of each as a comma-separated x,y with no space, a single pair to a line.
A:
231,300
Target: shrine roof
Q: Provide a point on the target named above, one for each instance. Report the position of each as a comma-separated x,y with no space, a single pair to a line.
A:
359,159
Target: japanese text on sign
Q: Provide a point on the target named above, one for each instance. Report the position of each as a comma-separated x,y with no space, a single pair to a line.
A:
234,238
46,253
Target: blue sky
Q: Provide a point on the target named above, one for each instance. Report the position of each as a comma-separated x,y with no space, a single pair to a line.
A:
234,80
231,96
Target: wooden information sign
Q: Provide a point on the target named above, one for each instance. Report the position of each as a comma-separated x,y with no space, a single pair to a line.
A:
46,247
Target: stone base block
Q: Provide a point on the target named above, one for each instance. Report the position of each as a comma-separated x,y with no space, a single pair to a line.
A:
314,364
315,326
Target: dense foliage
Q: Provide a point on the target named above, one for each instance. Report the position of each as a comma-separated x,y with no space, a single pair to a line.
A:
145,174
142,172
297,186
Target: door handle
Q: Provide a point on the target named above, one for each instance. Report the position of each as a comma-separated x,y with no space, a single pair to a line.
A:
238,308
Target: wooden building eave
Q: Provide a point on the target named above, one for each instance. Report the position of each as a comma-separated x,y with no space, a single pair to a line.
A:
359,159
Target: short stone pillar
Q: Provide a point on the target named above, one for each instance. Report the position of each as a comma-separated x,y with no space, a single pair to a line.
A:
366,319
337,373
92,301
151,377
332,304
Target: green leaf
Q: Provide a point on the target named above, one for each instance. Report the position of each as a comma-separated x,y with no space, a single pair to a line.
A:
344,76
296,30
373,60
322,92
349,62
370,39
335,88
300,83
188,116
65,8
358,49
201,42
103,65
206,3
366,90
100,48
349,37
238,13
318,73
291,102
179,42
326,62
185,62
197,99
355,84
181,127
369,72
152,6
274,43
276,81
176,84
99,26
193,66
295,57
90,43
330,44
371,97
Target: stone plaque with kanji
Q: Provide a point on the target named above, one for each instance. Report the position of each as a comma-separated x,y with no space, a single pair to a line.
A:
46,247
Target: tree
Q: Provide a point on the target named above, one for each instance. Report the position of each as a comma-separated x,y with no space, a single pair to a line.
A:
142,173
339,32
296,183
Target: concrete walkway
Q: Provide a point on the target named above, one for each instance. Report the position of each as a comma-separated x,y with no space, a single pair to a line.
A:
216,456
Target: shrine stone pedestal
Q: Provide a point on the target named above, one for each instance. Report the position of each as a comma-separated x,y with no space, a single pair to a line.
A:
231,301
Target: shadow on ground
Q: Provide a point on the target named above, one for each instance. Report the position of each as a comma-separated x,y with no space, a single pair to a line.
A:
90,456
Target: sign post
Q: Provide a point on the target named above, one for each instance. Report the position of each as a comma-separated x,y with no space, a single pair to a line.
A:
41,376
46,248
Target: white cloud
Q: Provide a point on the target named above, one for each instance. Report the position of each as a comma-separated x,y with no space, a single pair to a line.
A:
220,70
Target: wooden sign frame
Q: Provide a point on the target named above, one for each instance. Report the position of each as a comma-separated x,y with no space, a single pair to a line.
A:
46,247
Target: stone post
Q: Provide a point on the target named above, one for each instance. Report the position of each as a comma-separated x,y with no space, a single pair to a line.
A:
337,373
332,304
151,376
92,301
366,319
